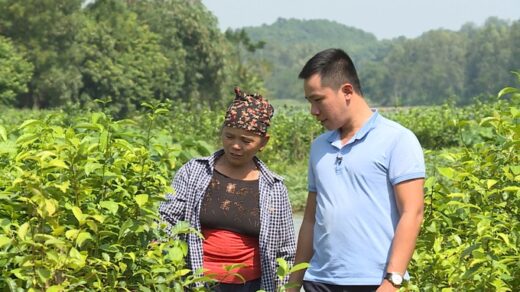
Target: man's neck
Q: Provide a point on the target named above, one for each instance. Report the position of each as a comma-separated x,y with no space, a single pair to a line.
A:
359,114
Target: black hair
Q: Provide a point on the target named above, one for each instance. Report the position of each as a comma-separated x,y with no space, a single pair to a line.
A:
335,68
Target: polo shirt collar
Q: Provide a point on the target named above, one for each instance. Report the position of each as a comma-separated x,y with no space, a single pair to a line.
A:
335,139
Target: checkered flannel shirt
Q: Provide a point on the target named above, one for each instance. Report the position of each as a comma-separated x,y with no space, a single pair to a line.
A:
276,237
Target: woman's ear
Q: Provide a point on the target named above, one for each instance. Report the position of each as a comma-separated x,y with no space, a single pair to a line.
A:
265,139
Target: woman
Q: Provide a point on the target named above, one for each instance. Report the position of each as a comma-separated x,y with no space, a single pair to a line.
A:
239,205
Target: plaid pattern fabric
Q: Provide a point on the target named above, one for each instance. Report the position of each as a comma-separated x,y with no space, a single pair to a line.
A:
276,237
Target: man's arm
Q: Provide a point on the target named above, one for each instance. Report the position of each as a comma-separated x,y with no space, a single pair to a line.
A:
410,203
304,250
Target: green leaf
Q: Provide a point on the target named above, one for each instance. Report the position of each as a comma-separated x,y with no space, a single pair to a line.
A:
4,240
110,206
51,206
56,242
99,218
511,189
505,238
19,274
283,267
126,225
515,112
63,186
79,215
74,253
437,245
82,237
446,171
90,167
131,255
3,133
58,163
146,104
182,272
299,267
22,231
161,270
44,274
103,140
478,254
141,199
468,250
55,288
160,111
490,183
27,138
72,234
97,116
28,123
508,90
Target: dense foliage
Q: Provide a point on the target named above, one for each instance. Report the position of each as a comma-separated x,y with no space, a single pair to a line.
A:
434,68
471,232
79,185
79,193
78,206
72,52
15,72
126,51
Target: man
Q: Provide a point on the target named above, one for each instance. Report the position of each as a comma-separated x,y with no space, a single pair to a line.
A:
366,176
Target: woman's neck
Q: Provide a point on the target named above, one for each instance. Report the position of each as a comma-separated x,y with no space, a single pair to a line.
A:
247,171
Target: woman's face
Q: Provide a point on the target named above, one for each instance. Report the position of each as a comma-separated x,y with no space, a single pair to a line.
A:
240,146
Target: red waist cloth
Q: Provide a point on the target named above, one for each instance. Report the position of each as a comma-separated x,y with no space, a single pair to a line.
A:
225,248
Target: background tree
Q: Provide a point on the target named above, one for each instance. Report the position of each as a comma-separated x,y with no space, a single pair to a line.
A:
438,66
123,59
46,31
246,73
419,71
491,48
15,72
290,42
190,38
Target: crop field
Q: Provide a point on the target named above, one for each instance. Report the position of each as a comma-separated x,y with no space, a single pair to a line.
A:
79,194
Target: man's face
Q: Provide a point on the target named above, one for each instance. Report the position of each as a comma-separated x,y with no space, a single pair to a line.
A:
328,105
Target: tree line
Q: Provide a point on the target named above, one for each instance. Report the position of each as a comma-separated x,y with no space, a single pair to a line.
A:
63,52
438,66
57,53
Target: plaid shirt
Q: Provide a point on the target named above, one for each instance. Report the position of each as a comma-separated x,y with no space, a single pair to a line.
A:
276,237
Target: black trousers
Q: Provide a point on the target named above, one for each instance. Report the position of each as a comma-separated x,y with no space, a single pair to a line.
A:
309,286
249,286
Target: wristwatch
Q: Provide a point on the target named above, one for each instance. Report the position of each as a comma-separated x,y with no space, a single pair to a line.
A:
395,278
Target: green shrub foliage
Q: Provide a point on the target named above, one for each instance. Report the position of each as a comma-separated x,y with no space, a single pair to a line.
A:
471,234
79,193
78,206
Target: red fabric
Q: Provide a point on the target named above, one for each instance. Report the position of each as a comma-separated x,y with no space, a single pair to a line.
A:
224,248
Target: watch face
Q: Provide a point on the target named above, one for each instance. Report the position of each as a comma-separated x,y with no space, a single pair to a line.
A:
396,279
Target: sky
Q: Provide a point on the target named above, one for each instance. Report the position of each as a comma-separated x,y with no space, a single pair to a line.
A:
386,19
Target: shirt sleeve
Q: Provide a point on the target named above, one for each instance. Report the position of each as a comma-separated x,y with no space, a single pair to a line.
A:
173,208
406,159
287,245
311,182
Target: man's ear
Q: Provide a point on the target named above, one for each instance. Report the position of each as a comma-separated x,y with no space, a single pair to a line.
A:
347,90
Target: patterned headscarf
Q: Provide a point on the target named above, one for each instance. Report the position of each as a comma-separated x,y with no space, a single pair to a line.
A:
249,112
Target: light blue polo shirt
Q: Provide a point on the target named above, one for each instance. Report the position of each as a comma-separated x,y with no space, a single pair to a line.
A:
356,213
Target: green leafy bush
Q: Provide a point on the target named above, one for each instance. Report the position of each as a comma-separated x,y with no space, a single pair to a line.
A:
471,234
78,206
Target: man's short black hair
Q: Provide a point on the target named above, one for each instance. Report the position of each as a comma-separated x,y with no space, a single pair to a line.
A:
335,68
